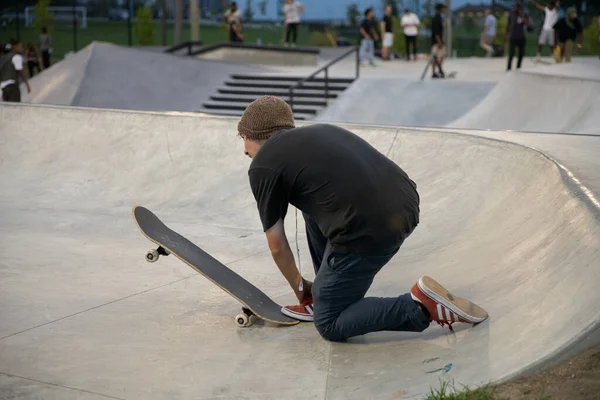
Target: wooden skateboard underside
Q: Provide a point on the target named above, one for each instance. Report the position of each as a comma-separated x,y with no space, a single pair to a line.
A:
247,294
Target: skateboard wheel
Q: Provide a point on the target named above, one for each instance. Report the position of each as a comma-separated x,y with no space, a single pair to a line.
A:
242,320
152,255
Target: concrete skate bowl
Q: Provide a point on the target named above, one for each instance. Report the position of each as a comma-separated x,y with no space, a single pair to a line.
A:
105,75
556,99
84,315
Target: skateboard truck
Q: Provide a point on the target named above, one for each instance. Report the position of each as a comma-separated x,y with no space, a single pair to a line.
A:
154,254
243,319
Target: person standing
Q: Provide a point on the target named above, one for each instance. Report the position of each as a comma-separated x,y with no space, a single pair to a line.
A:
368,37
547,33
410,22
11,68
235,31
489,33
438,48
567,30
515,31
292,10
33,59
45,47
387,29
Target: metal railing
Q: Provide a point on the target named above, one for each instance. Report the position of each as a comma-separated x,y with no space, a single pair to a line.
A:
298,85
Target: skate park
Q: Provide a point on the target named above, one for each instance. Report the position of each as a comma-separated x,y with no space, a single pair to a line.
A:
506,166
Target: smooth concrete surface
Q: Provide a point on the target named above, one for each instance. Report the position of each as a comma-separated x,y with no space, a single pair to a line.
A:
261,56
105,75
558,98
84,316
406,102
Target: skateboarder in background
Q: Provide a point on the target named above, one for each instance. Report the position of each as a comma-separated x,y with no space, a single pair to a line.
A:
438,48
489,33
358,207
547,33
567,30
515,32
368,36
11,68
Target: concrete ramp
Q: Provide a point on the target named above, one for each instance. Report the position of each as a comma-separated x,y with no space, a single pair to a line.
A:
105,75
84,316
406,102
558,99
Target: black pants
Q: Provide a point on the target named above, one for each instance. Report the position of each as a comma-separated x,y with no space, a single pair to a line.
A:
411,41
516,44
11,93
31,65
46,59
292,32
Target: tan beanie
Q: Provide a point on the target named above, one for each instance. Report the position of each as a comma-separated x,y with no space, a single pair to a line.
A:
265,116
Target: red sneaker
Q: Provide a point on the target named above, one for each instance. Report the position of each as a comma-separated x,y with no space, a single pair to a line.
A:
303,311
443,307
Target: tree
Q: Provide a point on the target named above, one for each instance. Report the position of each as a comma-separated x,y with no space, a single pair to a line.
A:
248,13
353,14
43,16
262,6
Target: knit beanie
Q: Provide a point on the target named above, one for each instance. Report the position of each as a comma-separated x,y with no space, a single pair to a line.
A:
265,116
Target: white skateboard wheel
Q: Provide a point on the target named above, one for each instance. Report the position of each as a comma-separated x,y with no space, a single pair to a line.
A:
152,255
242,320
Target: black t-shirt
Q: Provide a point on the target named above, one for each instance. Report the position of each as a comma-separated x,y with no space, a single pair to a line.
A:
233,36
367,25
437,28
387,20
564,32
361,200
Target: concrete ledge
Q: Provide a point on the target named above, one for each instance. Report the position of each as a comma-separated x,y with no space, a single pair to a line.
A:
263,55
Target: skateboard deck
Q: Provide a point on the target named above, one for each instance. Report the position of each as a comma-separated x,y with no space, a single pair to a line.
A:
254,301
477,313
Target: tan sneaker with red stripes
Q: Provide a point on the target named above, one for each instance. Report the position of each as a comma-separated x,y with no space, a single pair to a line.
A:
303,311
444,307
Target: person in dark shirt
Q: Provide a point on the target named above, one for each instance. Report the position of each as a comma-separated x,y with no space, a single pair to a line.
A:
387,31
515,33
358,207
566,31
368,35
438,48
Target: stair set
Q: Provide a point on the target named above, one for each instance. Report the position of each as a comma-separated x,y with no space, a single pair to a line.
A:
240,90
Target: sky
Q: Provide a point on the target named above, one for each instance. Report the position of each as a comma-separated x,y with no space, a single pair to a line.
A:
333,9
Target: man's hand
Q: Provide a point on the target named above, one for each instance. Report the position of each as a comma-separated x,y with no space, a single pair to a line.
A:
306,293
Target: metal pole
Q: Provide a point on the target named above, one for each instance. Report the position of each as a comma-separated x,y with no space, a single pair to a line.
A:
357,62
17,20
326,85
163,22
130,16
449,27
292,98
74,25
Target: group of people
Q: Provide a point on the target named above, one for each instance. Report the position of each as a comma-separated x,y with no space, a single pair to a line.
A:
291,11
368,34
560,34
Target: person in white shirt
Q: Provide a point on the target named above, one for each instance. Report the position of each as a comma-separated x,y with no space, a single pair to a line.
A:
547,33
489,33
233,16
410,22
292,10
11,68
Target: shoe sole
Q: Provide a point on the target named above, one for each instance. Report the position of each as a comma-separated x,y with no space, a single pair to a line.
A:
464,308
300,317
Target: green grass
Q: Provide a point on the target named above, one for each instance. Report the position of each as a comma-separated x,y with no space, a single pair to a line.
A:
116,32
447,391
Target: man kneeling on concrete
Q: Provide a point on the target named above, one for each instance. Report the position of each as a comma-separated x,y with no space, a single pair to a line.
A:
358,207
11,68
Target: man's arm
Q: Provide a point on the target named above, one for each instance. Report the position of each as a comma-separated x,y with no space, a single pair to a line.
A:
284,258
18,64
364,33
538,5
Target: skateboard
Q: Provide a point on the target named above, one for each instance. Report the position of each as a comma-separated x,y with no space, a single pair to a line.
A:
537,61
254,302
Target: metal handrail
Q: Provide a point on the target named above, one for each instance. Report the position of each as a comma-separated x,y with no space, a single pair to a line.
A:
325,68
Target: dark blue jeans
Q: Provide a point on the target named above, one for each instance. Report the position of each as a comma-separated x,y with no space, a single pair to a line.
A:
341,309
